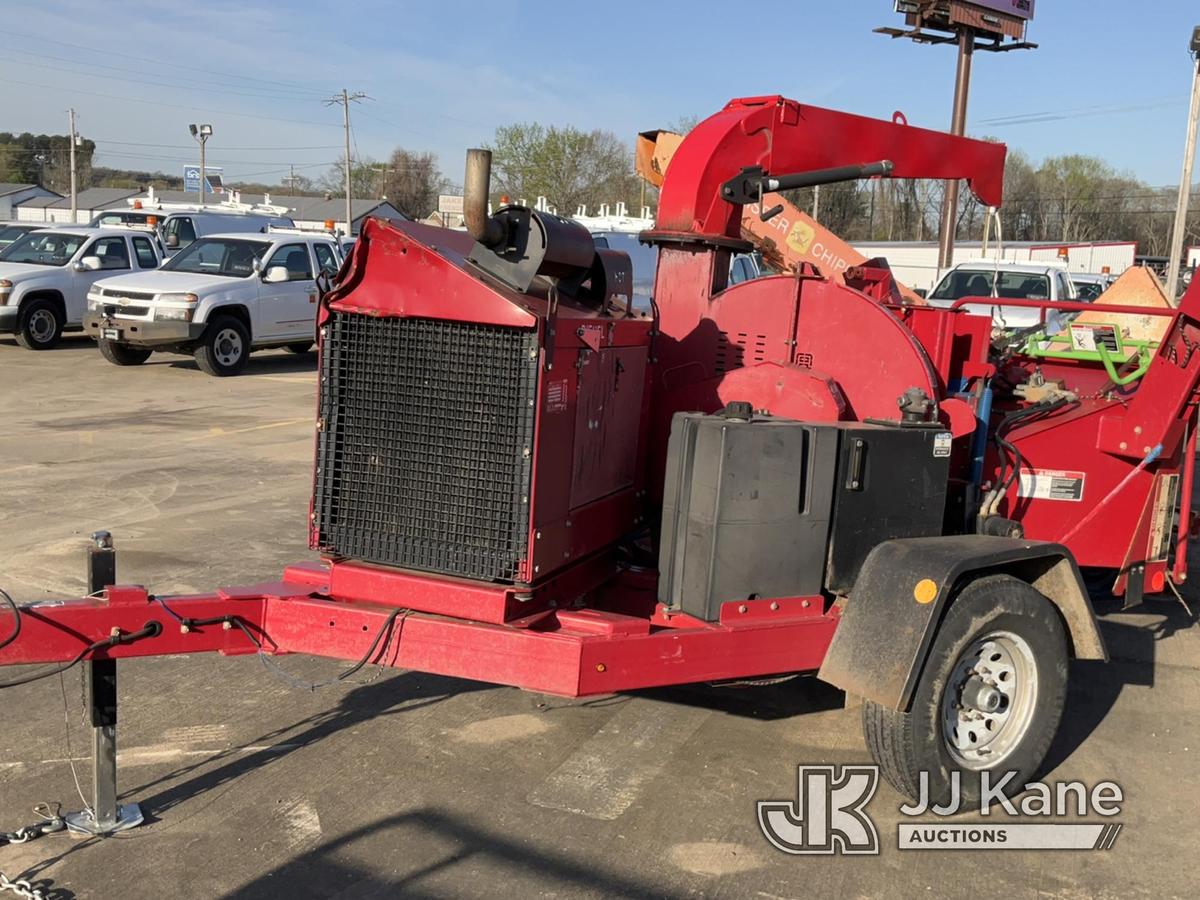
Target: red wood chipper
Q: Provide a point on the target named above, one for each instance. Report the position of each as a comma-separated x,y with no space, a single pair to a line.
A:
520,478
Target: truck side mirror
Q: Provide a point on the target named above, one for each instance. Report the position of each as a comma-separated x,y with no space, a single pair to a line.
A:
275,274
88,264
173,241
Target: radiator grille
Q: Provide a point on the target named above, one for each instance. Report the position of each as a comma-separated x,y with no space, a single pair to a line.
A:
423,459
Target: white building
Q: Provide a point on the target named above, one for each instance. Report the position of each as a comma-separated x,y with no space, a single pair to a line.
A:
914,263
13,195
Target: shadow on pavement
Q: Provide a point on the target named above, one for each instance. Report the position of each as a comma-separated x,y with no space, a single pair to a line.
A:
392,696
1094,686
322,873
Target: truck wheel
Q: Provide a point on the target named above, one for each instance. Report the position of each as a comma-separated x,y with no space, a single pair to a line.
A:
989,699
123,354
302,347
40,325
224,348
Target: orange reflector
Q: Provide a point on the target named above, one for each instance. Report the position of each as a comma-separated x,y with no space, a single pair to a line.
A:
329,223
925,591
1158,581
1106,270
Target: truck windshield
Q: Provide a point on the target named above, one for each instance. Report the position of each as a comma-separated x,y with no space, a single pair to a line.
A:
976,283
43,248
10,234
219,256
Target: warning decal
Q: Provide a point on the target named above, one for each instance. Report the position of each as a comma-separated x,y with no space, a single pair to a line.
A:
556,396
942,442
1051,484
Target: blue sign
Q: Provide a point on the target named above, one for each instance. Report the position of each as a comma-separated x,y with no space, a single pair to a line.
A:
191,178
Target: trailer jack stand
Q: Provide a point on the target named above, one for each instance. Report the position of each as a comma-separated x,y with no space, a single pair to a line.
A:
106,816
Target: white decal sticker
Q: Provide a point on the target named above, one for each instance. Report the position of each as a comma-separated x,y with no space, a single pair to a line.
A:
1052,484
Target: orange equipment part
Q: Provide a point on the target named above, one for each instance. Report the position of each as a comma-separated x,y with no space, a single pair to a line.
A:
787,240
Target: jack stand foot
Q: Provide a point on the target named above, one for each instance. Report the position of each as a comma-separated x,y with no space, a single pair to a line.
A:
129,816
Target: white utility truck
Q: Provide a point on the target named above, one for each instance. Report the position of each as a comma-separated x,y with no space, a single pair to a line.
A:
216,300
45,277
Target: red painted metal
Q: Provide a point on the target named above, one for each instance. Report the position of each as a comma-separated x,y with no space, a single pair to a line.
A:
582,618
568,652
784,136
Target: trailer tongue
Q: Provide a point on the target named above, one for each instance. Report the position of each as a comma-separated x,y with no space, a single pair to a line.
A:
519,479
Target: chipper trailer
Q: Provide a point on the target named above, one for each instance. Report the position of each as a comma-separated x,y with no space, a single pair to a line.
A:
521,480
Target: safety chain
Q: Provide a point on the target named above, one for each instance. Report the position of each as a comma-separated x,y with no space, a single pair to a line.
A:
21,887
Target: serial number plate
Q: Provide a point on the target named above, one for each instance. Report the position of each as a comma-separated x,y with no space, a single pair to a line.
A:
110,334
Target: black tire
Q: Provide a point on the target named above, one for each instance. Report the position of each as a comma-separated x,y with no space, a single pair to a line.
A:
39,325
123,354
905,744
299,348
225,347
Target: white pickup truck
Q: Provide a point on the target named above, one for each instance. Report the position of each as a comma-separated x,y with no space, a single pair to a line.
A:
45,277
217,299
1001,280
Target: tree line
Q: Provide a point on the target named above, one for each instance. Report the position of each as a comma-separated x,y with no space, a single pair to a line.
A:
1069,198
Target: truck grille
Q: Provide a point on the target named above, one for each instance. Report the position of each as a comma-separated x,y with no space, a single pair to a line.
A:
423,457
121,293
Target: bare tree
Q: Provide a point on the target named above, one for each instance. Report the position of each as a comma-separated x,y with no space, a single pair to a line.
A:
411,182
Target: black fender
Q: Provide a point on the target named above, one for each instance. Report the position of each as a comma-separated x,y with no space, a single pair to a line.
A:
889,620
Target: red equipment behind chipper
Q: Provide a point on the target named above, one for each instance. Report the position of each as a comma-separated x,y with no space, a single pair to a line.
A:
521,479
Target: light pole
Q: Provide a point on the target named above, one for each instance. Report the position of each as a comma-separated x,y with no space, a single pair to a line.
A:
201,133
1185,183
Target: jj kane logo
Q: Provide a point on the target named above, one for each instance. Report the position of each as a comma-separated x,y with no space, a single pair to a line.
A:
829,815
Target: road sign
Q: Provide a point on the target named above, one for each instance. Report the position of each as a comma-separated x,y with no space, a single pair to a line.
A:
212,177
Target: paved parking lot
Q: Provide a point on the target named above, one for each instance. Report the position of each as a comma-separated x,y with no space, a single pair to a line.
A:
422,786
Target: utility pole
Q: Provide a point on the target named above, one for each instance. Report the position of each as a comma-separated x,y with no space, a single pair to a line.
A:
74,181
292,177
1185,183
345,99
958,126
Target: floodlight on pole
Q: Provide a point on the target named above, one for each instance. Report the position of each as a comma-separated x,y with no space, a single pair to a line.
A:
201,133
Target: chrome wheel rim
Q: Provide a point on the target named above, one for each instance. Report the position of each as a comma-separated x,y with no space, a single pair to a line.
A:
227,347
41,326
989,701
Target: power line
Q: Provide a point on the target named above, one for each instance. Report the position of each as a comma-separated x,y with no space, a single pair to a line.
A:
169,85
195,84
1057,115
185,147
174,64
221,112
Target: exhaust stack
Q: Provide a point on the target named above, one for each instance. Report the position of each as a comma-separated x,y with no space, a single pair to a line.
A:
476,187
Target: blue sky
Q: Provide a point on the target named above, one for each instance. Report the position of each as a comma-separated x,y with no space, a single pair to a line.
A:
444,75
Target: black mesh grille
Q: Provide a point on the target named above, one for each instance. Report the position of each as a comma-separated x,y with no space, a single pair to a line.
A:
423,460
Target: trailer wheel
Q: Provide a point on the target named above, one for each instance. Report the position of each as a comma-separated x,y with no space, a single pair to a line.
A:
989,699
123,354
40,325
224,348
